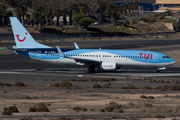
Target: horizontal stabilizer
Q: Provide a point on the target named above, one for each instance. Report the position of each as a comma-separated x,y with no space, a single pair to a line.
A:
22,50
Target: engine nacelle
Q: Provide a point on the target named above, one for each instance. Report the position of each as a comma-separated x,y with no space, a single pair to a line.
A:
108,66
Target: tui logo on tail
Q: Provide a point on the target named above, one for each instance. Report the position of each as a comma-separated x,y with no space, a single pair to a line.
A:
20,39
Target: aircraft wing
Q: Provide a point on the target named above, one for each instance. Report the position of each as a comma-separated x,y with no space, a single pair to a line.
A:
80,61
87,61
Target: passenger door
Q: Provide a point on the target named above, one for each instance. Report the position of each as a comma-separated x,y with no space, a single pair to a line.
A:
155,58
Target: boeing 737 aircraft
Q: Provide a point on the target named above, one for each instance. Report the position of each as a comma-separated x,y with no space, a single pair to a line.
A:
104,59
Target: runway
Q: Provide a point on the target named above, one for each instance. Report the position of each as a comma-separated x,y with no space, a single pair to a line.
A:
18,68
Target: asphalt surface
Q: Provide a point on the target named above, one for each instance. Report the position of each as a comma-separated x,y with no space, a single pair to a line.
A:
9,60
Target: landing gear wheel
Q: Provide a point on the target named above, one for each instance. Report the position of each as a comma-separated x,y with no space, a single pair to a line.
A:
91,69
158,71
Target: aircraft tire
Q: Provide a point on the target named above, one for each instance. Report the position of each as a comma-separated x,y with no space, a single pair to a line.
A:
91,69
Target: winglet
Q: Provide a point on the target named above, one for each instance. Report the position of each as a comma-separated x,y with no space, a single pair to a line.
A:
76,46
60,52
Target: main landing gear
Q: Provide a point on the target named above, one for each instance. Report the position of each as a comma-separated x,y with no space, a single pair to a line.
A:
91,69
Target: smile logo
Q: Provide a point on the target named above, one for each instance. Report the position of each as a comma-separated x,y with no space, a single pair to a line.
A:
22,39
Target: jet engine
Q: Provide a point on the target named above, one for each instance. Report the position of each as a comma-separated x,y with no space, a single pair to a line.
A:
108,66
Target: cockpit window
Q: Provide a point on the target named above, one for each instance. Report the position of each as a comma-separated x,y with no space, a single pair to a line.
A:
165,56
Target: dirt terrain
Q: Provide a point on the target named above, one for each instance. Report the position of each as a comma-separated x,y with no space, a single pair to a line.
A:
107,102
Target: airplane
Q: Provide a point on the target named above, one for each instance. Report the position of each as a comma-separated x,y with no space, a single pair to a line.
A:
103,59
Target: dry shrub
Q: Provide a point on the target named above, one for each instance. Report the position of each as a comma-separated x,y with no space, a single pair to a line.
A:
5,84
25,97
167,81
65,84
26,118
150,97
176,82
143,96
84,109
165,87
82,80
102,110
148,105
97,79
130,104
6,112
129,86
148,78
147,87
10,110
159,116
155,81
161,81
103,79
56,85
174,87
64,118
77,108
19,84
96,86
159,87
109,109
177,109
40,107
115,105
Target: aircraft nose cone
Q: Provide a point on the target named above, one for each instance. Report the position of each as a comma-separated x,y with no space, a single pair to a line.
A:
172,61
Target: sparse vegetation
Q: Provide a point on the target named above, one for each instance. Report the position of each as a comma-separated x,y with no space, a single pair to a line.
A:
77,108
159,116
176,82
148,105
25,97
40,107
145,97
109,109
92,109
96,79
56,85
65,84
10,110
174,87
129,86
96,86
26,118
5,84
102,110
49,80
147,87
130,104
18,83
84,109
121,111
